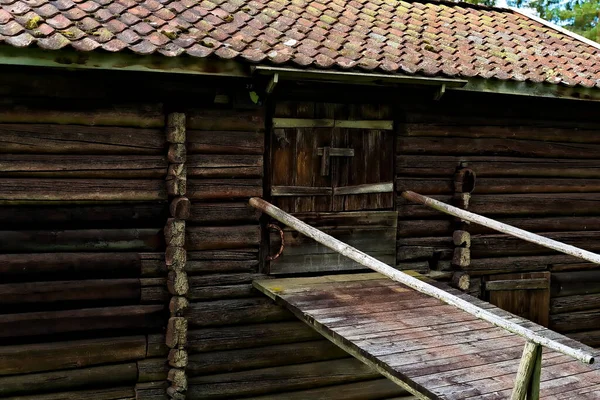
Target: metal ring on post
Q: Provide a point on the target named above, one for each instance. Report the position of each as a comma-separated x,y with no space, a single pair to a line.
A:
276,256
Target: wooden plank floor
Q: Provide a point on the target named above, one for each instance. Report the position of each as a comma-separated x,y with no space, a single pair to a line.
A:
433,349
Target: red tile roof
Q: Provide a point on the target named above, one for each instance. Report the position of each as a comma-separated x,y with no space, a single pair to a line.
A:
390,36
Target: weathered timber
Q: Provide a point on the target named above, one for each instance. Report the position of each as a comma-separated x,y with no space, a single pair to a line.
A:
479,131
21,191
383,187
557,204
53,266
178,358
575,321
105,215
176,127
177,153
175,258
575,283
421,227
73,139
31,358
82,166
177,328
176,180
467,283
178,378
518,284
209,280
489,265
120,393
81,240
242,260
279,379
371,389
590,338
154,291
225,142
108,375
461,257
221,189
228,120
437,166
410,249
156,390
495,147
225,166
262,357
156,346
152,369
221,292
238,311
226,237
224,213
282,191
461,238
90,319
559,305
248,336
177,283
175,232
525,373
180,208
44,293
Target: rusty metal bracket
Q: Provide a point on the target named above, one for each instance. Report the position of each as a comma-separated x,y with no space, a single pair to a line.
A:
276,256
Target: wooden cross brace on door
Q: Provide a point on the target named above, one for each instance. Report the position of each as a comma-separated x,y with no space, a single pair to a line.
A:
327,152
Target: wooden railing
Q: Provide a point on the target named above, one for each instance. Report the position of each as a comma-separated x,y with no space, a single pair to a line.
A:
528,376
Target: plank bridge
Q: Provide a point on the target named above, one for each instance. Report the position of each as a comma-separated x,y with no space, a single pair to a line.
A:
435,341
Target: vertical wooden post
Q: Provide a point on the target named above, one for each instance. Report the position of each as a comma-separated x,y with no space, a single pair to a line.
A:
176,257
534,388
525,374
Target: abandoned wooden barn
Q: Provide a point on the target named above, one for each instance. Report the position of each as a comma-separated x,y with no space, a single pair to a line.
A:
133,134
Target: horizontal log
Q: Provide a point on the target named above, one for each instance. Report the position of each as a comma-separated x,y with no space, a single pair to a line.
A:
410,249
514,264
225,142
220,261
238,311
224,166
82,166
222,189
90,319
282,191
23,191
152,369
82,240
575,283
42,295
221,292
156,346
248,336
575,321
77,139
156,390
383,187
548,134
559,305
223,213
589,338
421,227
371,389
484,246
126,215
226,119
230,237
262,357
30,358
495,147
120,393
559,204
519,284
279,379
74,379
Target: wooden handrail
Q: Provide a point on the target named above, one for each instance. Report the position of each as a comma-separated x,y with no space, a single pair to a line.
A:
500,227
414,283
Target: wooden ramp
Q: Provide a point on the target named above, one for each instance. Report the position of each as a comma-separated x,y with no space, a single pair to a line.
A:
431,348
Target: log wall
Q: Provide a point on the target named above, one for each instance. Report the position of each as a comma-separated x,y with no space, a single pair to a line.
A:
83,292
535,169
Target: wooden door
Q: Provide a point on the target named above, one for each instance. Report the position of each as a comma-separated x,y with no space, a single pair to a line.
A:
329,162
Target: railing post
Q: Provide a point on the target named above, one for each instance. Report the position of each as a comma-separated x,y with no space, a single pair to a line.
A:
527,382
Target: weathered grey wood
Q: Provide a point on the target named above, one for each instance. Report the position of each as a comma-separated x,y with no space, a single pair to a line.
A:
176,180
248,336
74,139
177,153
414,283
54,322
226,119
119,393
525,235
152,369
525,373
582,302
82,166
279,379
219,213
238,311
590,338
180,208
176,127
520,284
156,346
222,189
262,357
335,152
281,191
225,166
534,387
156,390
226,237
30,358
384,187
575,283
575,321
19,191
82,292
225,142
74,379
81,240
331,123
